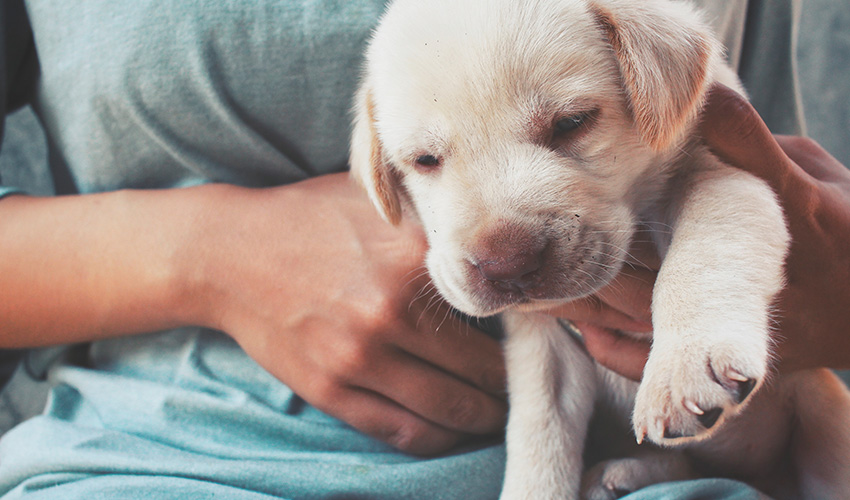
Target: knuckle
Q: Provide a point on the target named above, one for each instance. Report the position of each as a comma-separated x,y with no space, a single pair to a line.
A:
748,125
379,312
808,145
493,380
324,391
410,437
352,357
464,412
731,112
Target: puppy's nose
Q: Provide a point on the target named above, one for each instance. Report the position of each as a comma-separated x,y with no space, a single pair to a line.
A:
515,272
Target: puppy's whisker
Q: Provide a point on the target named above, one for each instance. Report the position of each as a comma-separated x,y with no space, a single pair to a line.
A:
426,289
423,291
411,278
591,275
445,317
657,226
610,231
628,254
434,302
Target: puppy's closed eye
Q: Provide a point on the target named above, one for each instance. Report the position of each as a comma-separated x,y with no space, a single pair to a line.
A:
427,162
565,130
573,123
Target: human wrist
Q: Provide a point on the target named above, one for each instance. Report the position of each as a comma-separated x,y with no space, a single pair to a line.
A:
199,276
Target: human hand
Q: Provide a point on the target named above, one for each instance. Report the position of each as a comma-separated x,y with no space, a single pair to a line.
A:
814,189
336,303
813,310
622,306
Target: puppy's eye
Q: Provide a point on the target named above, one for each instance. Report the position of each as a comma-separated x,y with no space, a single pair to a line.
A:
427,162
571,123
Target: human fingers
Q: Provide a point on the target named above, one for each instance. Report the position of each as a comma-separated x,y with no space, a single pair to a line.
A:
593,310
433,394
624,355
624,304
457,347
736,133
438,335
631,293
383,419
812,158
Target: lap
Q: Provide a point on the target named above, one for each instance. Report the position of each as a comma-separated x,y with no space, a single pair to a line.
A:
189,409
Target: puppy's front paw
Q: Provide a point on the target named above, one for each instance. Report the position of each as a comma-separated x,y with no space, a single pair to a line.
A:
690,388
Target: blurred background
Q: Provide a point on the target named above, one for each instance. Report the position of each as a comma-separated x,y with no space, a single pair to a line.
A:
824,67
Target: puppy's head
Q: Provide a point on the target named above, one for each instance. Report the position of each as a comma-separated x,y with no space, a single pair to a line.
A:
527,137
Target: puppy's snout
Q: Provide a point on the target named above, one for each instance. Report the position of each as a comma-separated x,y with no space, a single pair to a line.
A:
510,259
513,272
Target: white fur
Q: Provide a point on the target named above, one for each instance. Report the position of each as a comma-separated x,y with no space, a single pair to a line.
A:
480,85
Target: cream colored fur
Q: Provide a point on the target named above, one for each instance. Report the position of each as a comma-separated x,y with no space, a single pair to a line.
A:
464,116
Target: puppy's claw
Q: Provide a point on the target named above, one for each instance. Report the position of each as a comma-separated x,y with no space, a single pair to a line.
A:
617,491
693,407
736,376
641,435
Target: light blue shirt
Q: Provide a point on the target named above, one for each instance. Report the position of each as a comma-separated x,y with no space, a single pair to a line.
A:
171,93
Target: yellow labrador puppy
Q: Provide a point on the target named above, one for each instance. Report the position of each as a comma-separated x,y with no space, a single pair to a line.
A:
531,139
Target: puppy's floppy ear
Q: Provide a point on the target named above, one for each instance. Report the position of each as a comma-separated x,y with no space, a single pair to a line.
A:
665,54
368,164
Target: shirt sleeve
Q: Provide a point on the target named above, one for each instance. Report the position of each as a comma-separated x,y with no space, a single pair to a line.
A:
18,68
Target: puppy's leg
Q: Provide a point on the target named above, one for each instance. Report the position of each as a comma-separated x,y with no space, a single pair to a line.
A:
634,467
711,305
615,478
552,386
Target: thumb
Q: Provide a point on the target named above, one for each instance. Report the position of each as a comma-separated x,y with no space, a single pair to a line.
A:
735,132
615,351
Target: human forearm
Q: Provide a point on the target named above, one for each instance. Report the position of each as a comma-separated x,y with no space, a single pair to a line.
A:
812,314
80,268
307,278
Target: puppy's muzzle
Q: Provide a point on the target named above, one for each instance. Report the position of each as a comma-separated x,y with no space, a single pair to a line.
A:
513,272
509,262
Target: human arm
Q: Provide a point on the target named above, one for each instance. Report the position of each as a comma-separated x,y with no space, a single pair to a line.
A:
812,313
306,277
813,317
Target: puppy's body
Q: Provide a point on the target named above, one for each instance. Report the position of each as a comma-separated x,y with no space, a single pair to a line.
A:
533,140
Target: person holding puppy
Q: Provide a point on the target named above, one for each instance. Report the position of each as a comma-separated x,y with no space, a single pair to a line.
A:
814,189
245,326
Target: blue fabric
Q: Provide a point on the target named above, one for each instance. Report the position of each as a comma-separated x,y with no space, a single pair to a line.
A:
703,489
170,93
188,409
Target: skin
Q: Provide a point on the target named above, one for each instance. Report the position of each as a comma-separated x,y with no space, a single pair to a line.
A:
814,189
333,302
357,331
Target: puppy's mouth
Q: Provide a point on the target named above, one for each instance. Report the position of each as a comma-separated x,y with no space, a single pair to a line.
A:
563,270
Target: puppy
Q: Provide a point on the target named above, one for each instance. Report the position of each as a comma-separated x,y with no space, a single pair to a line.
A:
532,140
